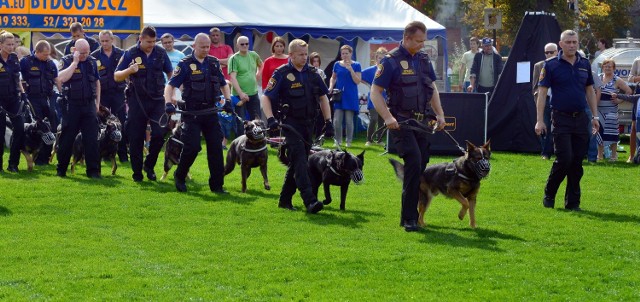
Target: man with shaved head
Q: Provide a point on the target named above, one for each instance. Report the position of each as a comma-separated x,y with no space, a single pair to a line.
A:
81,90
203,82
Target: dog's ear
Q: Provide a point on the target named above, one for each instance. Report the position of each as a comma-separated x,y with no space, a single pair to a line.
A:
487,145
361,156
470,146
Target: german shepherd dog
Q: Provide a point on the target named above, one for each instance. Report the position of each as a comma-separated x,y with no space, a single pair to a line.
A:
108,139
173,149
249,151
36,134
338,168
459,180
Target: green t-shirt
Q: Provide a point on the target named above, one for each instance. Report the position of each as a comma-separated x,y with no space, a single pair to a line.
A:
246,67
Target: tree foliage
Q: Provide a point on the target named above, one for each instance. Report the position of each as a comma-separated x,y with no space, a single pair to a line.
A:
594,19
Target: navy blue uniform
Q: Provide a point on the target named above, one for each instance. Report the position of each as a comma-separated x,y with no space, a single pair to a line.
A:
79,114
39,77
408,82
299,90
202,83
93,45
112,92
10,105
568,120
145,96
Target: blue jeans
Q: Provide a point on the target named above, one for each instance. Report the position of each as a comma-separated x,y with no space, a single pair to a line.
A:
592,152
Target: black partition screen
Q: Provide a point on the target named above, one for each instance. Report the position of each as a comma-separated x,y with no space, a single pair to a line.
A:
466,118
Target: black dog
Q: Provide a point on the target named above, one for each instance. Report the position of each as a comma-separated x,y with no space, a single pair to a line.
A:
172,150
36,134
336,168
109,137
249,151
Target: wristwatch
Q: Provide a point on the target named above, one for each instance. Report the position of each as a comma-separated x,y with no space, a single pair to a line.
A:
597,118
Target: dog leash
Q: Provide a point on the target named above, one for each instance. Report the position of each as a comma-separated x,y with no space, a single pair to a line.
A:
417,126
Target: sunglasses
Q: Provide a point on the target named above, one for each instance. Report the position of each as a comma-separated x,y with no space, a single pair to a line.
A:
549,52
244,44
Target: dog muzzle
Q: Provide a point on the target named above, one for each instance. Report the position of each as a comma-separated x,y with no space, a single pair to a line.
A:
258,133
48,138
482,168
116,136
357,177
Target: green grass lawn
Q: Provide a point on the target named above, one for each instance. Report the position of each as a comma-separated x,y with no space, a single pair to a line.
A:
76,239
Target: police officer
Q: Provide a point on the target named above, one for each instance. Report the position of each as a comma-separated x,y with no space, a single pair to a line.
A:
569,76
203,83
11,93
298,87
111,92
144,65
81,88
40,74
77,32
408,76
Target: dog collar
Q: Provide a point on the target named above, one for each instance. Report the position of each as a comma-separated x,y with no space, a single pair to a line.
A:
255,150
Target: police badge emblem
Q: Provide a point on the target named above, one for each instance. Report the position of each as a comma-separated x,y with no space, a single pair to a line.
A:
404,64
0,65
193,66
291,77
98,63
138,60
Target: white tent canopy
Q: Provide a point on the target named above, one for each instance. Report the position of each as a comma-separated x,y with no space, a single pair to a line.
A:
381,19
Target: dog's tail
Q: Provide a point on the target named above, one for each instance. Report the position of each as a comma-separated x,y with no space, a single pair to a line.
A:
398,168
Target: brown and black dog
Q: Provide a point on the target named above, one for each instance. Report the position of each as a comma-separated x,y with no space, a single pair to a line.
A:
249,151
109,137
459,180
173,149
36,134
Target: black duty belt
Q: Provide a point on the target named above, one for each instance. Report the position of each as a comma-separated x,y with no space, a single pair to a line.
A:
418,116
569,114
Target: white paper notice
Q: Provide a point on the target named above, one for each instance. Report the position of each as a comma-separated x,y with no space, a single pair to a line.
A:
523,73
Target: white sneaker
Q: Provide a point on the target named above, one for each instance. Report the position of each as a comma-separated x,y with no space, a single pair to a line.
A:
348,144
368,143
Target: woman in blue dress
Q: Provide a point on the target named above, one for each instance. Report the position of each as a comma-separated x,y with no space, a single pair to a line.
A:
346,77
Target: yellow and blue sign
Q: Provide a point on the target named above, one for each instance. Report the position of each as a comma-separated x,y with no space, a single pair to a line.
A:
119,16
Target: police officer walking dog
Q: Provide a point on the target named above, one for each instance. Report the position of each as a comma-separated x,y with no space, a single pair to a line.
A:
81,90
144,64
41,74
408,76
11,93
111,92
203,83
570,78
298,87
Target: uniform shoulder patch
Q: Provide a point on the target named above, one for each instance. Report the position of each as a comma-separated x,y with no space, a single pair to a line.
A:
379,70
271,84
542,74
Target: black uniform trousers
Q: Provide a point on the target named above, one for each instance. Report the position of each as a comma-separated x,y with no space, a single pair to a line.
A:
571,142
413,148
114,100
209,126
41,107
11,105
79,118
137,122
297,174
